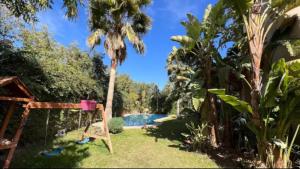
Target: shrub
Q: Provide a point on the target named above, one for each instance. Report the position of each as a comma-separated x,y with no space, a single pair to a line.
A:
196,140
115,125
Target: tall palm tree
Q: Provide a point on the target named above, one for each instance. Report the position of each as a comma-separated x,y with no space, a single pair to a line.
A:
115,21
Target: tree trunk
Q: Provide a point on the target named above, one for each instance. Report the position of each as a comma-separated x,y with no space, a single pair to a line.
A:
111,86
227,129
213,120
256,50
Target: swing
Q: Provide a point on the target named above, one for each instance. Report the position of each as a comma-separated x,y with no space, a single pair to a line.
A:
17,92
52,153
60,133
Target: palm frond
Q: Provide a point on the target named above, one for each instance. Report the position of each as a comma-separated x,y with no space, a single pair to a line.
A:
95,38
141,23
72,7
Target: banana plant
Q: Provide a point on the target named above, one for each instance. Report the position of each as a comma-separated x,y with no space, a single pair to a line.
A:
198,45
279,107
262,19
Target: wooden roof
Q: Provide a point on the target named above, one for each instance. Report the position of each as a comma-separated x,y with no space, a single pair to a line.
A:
12,86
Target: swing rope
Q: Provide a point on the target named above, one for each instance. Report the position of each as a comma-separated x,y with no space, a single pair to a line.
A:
46,128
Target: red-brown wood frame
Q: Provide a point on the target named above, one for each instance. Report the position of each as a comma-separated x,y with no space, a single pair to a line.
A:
18,92
42,105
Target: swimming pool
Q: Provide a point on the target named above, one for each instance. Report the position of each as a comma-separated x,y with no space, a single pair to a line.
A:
142,119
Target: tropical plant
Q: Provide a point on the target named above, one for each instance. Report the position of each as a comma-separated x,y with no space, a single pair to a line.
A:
262,19
196,140
199,44
117,20
279,108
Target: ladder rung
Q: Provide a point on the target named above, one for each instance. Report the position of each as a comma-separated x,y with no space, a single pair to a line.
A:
6,144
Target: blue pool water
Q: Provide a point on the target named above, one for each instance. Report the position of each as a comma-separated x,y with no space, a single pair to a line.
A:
142,119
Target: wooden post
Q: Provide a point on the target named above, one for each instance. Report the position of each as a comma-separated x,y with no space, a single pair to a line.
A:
17,137
8,115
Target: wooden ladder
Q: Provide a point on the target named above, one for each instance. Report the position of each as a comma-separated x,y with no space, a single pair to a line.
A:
11,145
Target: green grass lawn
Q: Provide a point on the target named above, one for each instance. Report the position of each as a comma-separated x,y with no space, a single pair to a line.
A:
135,148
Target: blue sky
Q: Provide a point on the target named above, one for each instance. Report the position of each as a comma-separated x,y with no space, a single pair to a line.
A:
149,68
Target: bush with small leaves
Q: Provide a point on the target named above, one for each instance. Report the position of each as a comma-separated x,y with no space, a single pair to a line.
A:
115,125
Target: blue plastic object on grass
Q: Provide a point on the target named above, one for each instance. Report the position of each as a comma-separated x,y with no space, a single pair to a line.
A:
54,152
84,141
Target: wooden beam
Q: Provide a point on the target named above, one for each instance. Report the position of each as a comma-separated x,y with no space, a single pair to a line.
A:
8,115
17,99
51,105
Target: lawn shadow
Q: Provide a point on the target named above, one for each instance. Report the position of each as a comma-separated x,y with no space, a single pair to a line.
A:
172,130
71,156
223,157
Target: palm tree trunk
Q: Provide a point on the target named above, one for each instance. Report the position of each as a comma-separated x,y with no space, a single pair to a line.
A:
111,86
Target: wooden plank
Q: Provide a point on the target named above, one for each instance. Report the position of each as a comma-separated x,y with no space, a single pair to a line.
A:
6,80
8,146
11,109
14,79
51,105
17,99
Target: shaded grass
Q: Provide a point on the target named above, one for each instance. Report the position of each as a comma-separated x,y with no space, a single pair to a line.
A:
132,149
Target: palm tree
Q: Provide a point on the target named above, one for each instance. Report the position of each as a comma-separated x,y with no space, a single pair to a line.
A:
115,21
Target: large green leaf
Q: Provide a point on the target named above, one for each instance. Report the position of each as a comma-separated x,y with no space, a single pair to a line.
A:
275,85
185,41
237,104
193,27
294,67
198,95
217,91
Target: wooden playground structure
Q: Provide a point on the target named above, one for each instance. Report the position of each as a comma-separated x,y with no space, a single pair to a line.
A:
14,92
